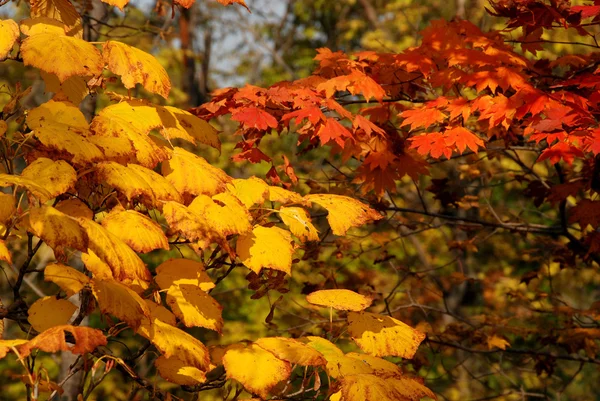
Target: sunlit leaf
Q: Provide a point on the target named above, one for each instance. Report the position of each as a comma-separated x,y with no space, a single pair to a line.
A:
57,229
283,196
192,175
298,221
266,247
339,299
57,177
381,335
74,88
251,191
32,186
49,312
120,301
344,212
61,10
136,67
194,307
7,207
63,56
67,278
141,233
117,3
258,370
175,371
224,213
7,345
9,32
5,253
291,350
183,271
35,26
75,208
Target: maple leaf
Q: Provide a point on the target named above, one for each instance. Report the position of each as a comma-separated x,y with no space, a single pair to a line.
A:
586,212
253,155
462,138
253,117
560,150
312,114
230,2
433,144
332,130
423,117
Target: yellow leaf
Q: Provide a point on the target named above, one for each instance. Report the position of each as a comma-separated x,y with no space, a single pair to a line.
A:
7,207
172,341
136,67
338,364
410,389
117,3
291,350
182,271
60,112
35,26
266,247
175,371
283,196
142,117
7,345
192,175
381,335
5,253
380,366
57,177
195,307
160,312
137,182
61,10
325,347
251,191
75,208
138,231
63,56
57,229
344,212
120,301
125,264
258,370
145,150
53,340
495,341
74,88
230,218
298,221
94,264
368,387
32,186
71,281
339,299
191,225
9,32
49,312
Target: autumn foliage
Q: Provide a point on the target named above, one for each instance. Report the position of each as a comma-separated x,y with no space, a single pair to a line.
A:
142,228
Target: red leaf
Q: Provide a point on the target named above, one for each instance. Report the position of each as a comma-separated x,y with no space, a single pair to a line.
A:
561,150
462,138
253,117
253,155
423,117
586,212
332,130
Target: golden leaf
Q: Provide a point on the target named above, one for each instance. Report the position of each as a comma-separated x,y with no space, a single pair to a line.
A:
381,335
230,218
185,125
136,67
74,88
298,221
257,369
192,175
339,299
60,112
7,345
57,229
61,10
63,56
251,191
291,350
195,307
325,347
140,232
32,186
5,253
172,341
380,366
132,144
124,263
495,341
175,371
182,271
135,181
9,33
338,364
409,388
160,312
191,225
75,208
100,270
57,177
53,340
70,280
368,387
268,247
117,3
344,212
49,312
35,26
281,195
120,301
7,207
